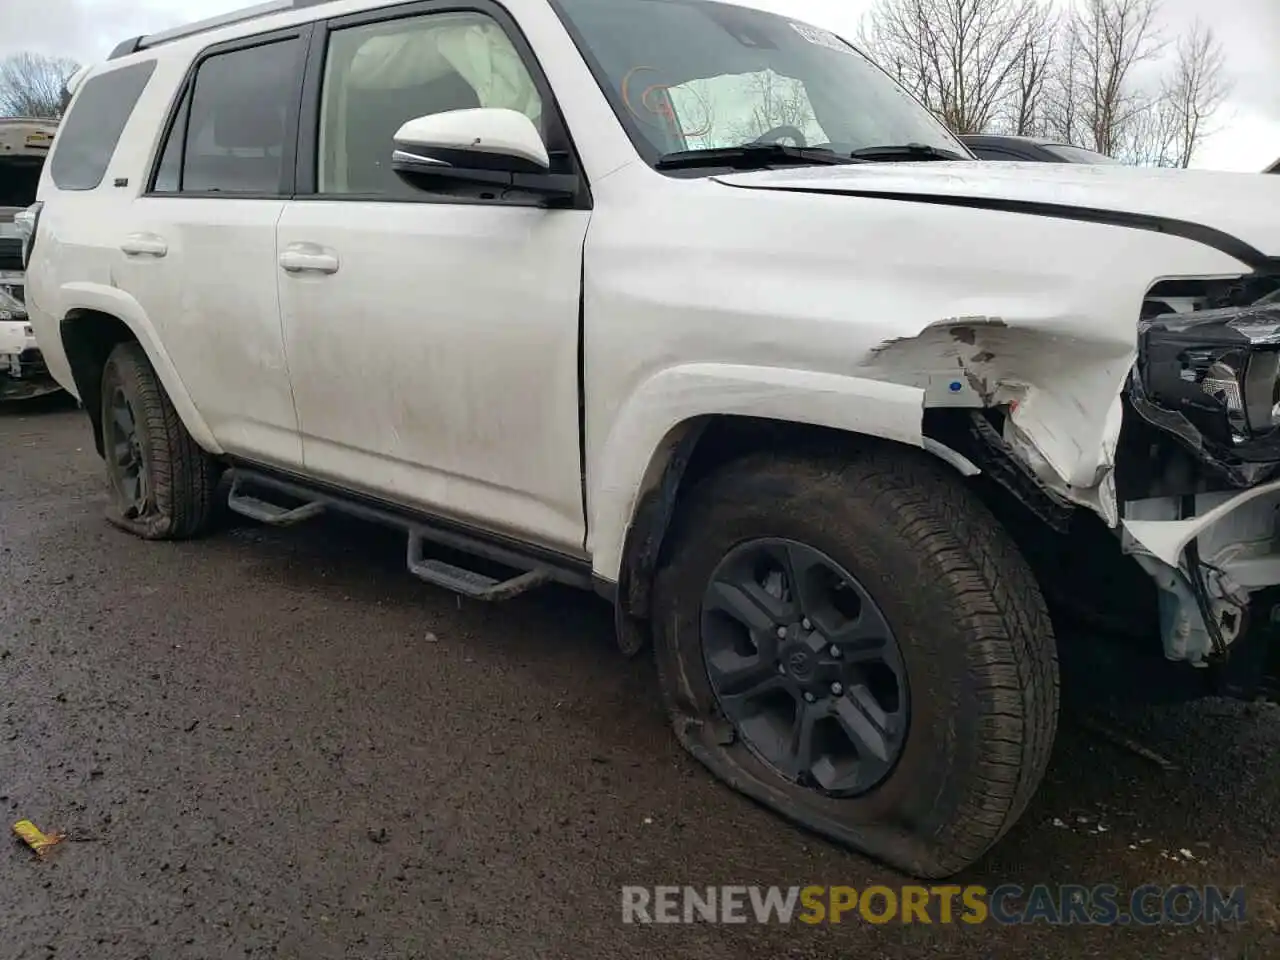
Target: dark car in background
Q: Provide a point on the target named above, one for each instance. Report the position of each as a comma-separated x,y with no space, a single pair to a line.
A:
992,147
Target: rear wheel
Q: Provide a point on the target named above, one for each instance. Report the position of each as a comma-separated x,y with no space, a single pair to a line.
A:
162,482
860,646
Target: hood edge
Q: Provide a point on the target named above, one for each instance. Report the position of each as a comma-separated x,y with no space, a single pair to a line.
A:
1232,246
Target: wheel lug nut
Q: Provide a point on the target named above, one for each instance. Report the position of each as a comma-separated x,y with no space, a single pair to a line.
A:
835,651
782,668
782,633
806,623
837,689
809,697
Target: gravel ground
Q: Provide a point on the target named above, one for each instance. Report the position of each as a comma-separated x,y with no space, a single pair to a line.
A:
280,743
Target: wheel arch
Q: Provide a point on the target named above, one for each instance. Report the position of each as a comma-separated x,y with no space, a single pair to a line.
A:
650,462
94,322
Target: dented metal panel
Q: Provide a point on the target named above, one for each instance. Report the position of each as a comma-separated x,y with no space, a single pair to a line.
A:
976,307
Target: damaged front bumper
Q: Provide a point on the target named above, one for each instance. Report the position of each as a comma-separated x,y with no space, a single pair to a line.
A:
23,374
1208,530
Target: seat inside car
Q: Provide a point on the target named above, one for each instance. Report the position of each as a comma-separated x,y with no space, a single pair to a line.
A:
235,147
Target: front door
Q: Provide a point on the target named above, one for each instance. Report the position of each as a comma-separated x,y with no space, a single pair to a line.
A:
432,340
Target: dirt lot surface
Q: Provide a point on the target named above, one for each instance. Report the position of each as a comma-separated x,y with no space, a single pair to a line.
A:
278,743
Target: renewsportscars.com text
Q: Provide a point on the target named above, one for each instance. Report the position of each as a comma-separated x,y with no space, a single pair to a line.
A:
1066,904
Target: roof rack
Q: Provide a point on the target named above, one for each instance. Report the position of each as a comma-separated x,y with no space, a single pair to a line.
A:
134,44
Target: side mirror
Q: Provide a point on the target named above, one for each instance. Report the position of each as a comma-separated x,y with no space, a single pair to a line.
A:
495,150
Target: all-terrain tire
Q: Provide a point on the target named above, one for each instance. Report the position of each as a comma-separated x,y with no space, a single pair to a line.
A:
974,634
181,477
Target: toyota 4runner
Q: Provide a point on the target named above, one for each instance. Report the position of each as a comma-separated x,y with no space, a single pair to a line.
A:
691,305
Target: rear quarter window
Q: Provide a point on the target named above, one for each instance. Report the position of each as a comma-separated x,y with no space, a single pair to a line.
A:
88,137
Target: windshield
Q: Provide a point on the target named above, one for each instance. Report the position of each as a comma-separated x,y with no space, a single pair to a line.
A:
696,75
1078,154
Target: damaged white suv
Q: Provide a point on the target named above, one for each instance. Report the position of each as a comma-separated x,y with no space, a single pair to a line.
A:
690,304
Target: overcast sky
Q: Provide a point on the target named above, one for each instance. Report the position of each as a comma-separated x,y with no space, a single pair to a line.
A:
1248,138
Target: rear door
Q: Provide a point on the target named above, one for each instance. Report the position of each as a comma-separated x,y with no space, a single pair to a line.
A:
199,247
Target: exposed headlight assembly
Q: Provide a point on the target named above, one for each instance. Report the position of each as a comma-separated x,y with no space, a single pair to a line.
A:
1213,378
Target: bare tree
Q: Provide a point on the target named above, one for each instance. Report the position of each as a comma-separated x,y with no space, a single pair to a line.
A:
32,84
1089,76
1150,138
1194,92
1062,100
1036,54
964,59
1109,39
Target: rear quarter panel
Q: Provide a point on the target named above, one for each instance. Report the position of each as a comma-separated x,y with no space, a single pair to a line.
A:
76,259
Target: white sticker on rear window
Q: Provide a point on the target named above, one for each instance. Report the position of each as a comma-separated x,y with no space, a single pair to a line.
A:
822,38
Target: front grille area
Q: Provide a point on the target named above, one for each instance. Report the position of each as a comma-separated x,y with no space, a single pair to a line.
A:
10,253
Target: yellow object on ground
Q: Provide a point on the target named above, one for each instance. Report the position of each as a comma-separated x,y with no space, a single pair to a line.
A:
34,838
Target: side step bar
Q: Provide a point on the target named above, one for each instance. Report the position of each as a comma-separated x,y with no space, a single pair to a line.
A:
469,583
250,492
255,508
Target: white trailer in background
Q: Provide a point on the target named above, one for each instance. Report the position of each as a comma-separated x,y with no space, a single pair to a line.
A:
24,145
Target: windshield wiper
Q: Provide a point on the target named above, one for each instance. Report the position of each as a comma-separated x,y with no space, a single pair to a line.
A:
907,151
750,156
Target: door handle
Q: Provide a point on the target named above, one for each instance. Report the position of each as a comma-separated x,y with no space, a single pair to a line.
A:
144,245
308,258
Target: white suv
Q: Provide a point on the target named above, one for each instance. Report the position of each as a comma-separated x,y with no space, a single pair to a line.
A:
690,304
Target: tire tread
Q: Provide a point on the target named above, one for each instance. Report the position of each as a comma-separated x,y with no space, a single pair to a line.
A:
183,476
1011,658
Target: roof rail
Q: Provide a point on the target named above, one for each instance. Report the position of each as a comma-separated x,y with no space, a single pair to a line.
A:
135,44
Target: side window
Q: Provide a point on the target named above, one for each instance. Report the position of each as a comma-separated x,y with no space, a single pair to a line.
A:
378,76
229,134
169,173
89,135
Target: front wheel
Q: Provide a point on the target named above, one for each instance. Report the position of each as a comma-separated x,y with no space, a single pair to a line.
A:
162,482
859,645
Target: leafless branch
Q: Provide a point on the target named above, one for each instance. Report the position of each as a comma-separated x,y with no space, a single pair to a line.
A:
1195,91
32,84
1036,57
1110,38
964,59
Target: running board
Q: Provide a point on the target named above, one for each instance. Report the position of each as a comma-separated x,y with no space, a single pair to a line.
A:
469,583
255,508
524,570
